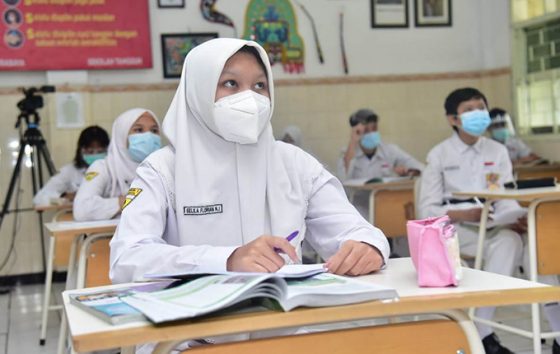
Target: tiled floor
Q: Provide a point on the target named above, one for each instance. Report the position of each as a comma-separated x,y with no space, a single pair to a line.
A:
20,321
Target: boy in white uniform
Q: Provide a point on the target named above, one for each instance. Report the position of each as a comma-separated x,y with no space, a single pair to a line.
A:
469,161
368,157
503,132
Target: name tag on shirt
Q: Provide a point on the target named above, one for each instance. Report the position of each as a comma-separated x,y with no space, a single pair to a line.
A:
203,209
489,163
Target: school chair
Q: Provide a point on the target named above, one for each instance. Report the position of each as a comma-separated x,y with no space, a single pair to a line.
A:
57,260
93,270
434,336
391,209
543,245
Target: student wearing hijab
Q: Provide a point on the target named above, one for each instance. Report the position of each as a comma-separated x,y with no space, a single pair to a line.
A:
135,135
92,146
224,194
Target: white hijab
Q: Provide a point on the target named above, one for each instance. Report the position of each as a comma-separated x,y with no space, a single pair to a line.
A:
122,168
259,192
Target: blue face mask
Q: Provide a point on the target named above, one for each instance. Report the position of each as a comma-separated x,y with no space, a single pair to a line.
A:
500,134
91,158
475,122
370,140
143,144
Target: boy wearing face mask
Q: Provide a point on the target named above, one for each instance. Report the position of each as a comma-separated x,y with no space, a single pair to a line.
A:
368,157
469,161
501,130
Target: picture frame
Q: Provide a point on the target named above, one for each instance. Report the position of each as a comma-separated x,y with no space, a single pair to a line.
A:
432,13
389,13
176,46
168,4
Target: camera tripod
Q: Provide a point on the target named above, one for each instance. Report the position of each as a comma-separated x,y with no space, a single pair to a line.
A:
33,138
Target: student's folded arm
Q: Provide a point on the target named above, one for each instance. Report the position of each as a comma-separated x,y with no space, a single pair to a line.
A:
147,240
54,188
90,202
331,220
431,190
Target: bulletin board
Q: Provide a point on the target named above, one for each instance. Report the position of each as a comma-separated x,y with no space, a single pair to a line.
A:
74,34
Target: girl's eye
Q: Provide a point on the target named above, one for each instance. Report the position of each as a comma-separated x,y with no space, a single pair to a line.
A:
230,83
155,131
260,86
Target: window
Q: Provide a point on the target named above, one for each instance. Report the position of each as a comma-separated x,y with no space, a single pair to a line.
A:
536,65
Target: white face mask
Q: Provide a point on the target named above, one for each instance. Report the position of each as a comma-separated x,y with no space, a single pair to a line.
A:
241,118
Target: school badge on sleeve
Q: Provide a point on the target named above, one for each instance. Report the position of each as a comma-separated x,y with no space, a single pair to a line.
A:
130,196
91,175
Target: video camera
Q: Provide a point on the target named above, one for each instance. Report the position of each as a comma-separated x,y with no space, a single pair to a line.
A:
33,100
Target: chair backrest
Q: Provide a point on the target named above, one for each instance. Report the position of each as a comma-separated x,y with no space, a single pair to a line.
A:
97,267
63,243
430,336
392,209
548,237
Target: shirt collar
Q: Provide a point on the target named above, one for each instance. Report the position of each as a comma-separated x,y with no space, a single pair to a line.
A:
462,147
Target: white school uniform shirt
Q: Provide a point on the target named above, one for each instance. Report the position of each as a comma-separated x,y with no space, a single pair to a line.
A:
516,148
386,158
94,200
148,241
68,180
214,194
454,166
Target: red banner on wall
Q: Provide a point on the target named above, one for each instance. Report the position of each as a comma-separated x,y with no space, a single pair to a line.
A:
74,34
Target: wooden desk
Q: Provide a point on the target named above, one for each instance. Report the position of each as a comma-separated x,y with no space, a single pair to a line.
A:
63,231
522,195
388,204
478,288
53,207
534,196
538,171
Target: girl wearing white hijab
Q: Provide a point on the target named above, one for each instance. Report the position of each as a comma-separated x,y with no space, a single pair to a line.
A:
135,135
225,193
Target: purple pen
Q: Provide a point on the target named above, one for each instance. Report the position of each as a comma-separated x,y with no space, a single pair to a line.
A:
289,238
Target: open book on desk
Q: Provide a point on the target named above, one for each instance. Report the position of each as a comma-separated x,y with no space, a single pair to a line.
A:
211,293
108,306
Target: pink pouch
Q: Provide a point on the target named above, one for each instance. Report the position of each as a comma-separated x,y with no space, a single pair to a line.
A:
434,248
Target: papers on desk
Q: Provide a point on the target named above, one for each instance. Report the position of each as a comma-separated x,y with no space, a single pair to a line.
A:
503,216
212,293
77,225
357,182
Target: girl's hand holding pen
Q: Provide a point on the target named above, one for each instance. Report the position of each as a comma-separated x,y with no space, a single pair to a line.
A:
261,255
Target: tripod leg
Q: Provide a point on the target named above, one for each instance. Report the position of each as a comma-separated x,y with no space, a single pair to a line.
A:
35,157
15,176
47,156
